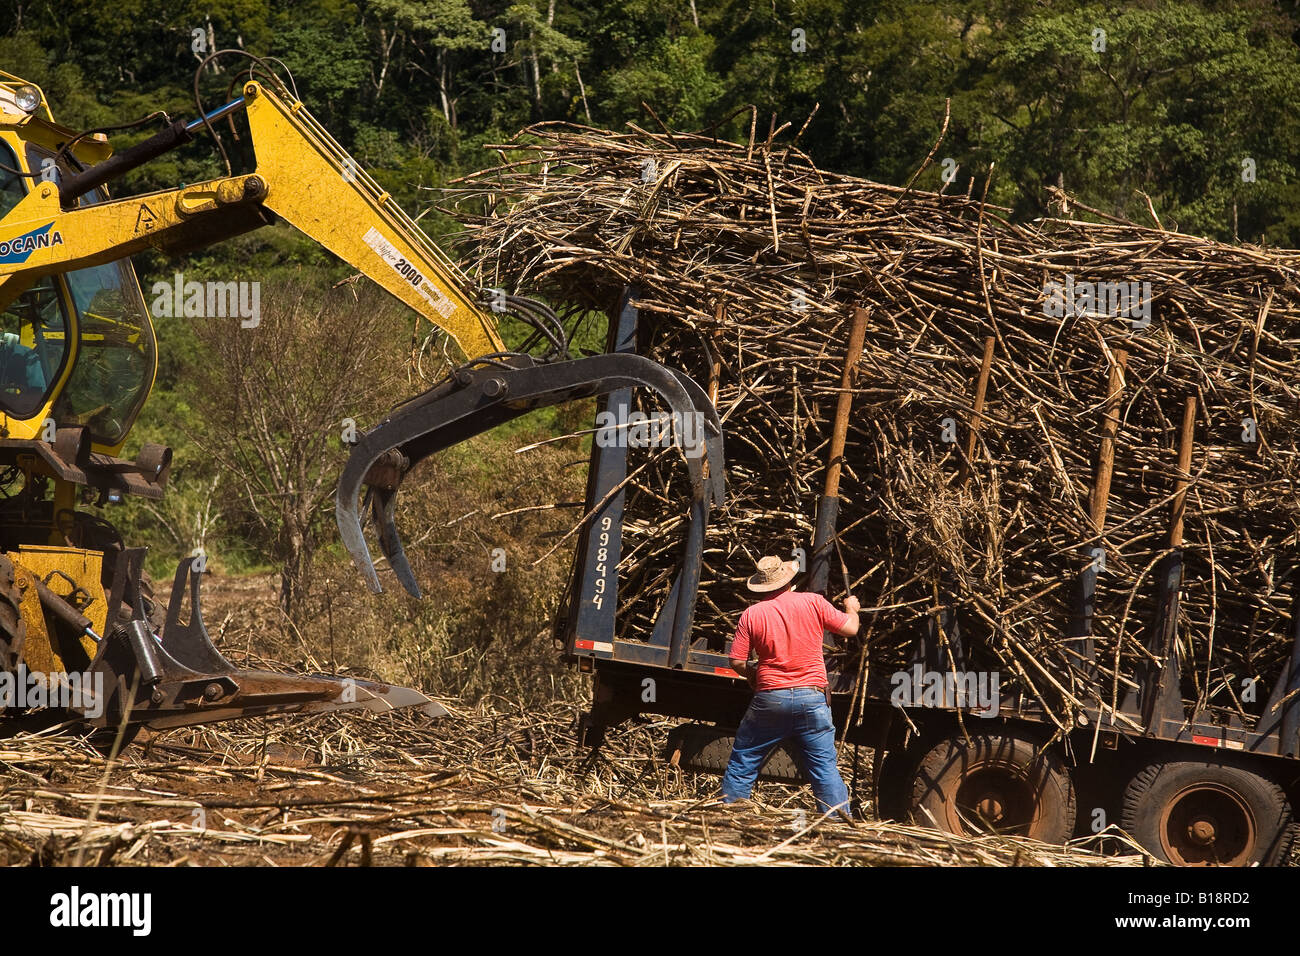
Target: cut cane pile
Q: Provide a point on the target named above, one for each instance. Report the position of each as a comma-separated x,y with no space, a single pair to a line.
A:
749,262
496,786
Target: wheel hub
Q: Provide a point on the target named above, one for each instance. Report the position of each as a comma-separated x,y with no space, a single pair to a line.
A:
1201,831
1208,824
994,797
991,807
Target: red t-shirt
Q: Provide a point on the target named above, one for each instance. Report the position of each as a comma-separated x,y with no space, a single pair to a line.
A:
786,634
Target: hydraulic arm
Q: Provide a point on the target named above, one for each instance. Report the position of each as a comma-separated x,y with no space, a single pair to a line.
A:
302,176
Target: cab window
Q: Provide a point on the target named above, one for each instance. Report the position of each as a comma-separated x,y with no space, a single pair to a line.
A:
33,327
115,359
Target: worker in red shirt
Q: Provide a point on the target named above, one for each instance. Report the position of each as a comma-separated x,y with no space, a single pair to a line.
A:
784,631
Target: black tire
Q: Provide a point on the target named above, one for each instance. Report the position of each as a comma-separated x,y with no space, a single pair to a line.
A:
13,629
891,786
155,612
1209,812
993,783
708,750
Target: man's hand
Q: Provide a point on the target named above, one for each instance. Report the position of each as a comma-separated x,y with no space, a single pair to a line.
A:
851,608
746,670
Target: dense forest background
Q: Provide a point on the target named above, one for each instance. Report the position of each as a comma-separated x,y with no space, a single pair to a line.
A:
1188,105
1166,98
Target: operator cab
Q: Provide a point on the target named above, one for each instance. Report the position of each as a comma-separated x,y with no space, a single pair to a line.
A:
99,309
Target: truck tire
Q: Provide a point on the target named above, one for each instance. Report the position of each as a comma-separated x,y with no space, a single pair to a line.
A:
13,629
1209,812
892,792
997,783
706,749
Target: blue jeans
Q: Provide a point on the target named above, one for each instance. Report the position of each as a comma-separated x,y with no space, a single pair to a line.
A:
774,716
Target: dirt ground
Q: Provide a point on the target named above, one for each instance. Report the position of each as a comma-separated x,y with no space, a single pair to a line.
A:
493,784
477,787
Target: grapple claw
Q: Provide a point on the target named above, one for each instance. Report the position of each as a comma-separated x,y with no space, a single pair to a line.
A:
383,506
349,522
475,400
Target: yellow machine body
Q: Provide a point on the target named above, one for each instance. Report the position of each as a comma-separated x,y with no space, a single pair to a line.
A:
78,359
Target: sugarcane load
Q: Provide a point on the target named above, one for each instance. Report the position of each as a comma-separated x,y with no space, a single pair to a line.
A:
1061,454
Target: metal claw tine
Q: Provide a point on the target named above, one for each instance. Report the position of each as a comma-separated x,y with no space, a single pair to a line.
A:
384,508
349,524
482,399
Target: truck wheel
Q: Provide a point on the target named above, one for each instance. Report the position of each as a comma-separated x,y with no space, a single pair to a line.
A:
706,749
13,629
892,792
1208,813
997,783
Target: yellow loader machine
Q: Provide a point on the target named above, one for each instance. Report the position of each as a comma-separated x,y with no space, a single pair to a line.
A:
77,362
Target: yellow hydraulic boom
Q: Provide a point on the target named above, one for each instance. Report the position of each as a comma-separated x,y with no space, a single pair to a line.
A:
302,175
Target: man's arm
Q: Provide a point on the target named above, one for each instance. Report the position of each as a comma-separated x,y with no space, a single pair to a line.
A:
745,669
849,627
739,656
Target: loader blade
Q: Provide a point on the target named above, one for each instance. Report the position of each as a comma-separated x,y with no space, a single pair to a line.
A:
180,678
264,693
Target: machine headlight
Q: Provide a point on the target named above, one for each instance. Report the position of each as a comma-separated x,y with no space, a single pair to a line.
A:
28,98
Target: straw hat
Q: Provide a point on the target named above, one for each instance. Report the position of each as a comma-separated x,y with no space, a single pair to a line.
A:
772,574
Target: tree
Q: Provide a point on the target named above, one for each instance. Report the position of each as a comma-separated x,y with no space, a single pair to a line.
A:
435,31
1166,101
278,397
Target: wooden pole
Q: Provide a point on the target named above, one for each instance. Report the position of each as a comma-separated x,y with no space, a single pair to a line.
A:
715,367
1184,473
839,431
1159,694
828,507
1106,453
977,409
1086,595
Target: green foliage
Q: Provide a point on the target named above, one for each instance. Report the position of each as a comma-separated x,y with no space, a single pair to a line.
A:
1179,97
1183,93
672,76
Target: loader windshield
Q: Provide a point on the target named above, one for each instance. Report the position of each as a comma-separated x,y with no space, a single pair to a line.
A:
115,353
114,365
32,327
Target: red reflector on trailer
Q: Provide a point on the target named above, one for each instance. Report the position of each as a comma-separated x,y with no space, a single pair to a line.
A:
1205,741
726,671
593,646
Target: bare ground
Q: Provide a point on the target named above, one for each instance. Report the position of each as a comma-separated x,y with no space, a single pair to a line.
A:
495,784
